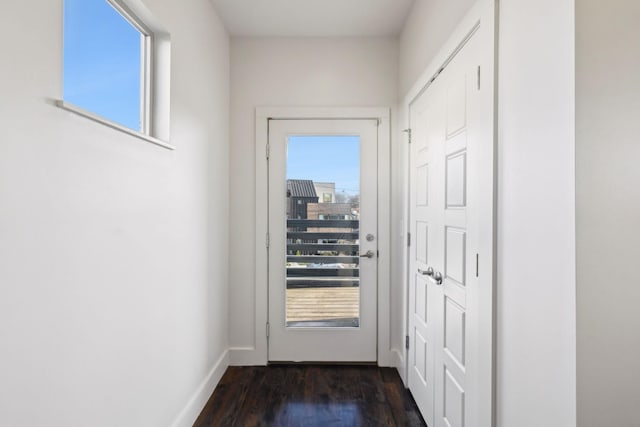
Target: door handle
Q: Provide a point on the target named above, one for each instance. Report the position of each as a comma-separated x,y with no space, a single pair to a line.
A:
438,278
427,272
368,254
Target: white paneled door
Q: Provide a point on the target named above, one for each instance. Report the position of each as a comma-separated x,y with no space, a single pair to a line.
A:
450,284
323,240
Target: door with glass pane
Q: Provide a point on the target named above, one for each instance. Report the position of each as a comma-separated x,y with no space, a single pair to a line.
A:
322,240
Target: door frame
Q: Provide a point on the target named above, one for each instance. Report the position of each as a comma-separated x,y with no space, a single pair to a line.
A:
263,114
482,17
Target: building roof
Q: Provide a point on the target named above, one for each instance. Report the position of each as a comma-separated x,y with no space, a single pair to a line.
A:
301,188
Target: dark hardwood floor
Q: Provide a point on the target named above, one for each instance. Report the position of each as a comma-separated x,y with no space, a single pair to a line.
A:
310,396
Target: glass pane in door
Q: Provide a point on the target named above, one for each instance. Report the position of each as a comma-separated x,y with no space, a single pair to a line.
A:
323,224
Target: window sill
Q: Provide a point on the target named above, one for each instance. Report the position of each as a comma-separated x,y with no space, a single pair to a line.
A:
84,113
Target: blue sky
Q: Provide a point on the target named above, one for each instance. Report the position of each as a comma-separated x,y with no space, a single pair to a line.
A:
326,159
102,52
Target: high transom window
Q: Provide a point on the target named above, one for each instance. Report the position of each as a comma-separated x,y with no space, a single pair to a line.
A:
106,62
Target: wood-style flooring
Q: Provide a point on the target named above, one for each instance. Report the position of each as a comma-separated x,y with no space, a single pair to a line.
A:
310,396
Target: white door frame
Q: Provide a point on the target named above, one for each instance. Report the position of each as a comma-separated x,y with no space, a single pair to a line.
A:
263,114
481,17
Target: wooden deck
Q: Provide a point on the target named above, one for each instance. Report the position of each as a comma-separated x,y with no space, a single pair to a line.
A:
318,304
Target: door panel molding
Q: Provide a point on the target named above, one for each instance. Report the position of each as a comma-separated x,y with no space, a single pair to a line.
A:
463,237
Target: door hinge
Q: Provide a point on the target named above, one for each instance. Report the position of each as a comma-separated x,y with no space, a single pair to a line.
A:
267,329
267,239
268,151
477,265
408,132
478,77
408,239
378,121
406,342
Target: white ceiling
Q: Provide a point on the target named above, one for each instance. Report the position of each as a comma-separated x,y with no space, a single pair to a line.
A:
313,18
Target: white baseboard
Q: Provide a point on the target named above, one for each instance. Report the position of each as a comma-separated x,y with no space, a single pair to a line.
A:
386,359
246,356
195,405
249,356
399,364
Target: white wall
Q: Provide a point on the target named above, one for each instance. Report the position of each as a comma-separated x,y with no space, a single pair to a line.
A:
427,28
608,203
536,217
288,72
113,264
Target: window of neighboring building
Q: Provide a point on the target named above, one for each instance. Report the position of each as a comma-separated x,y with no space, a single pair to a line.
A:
116,66
326,197
334,216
